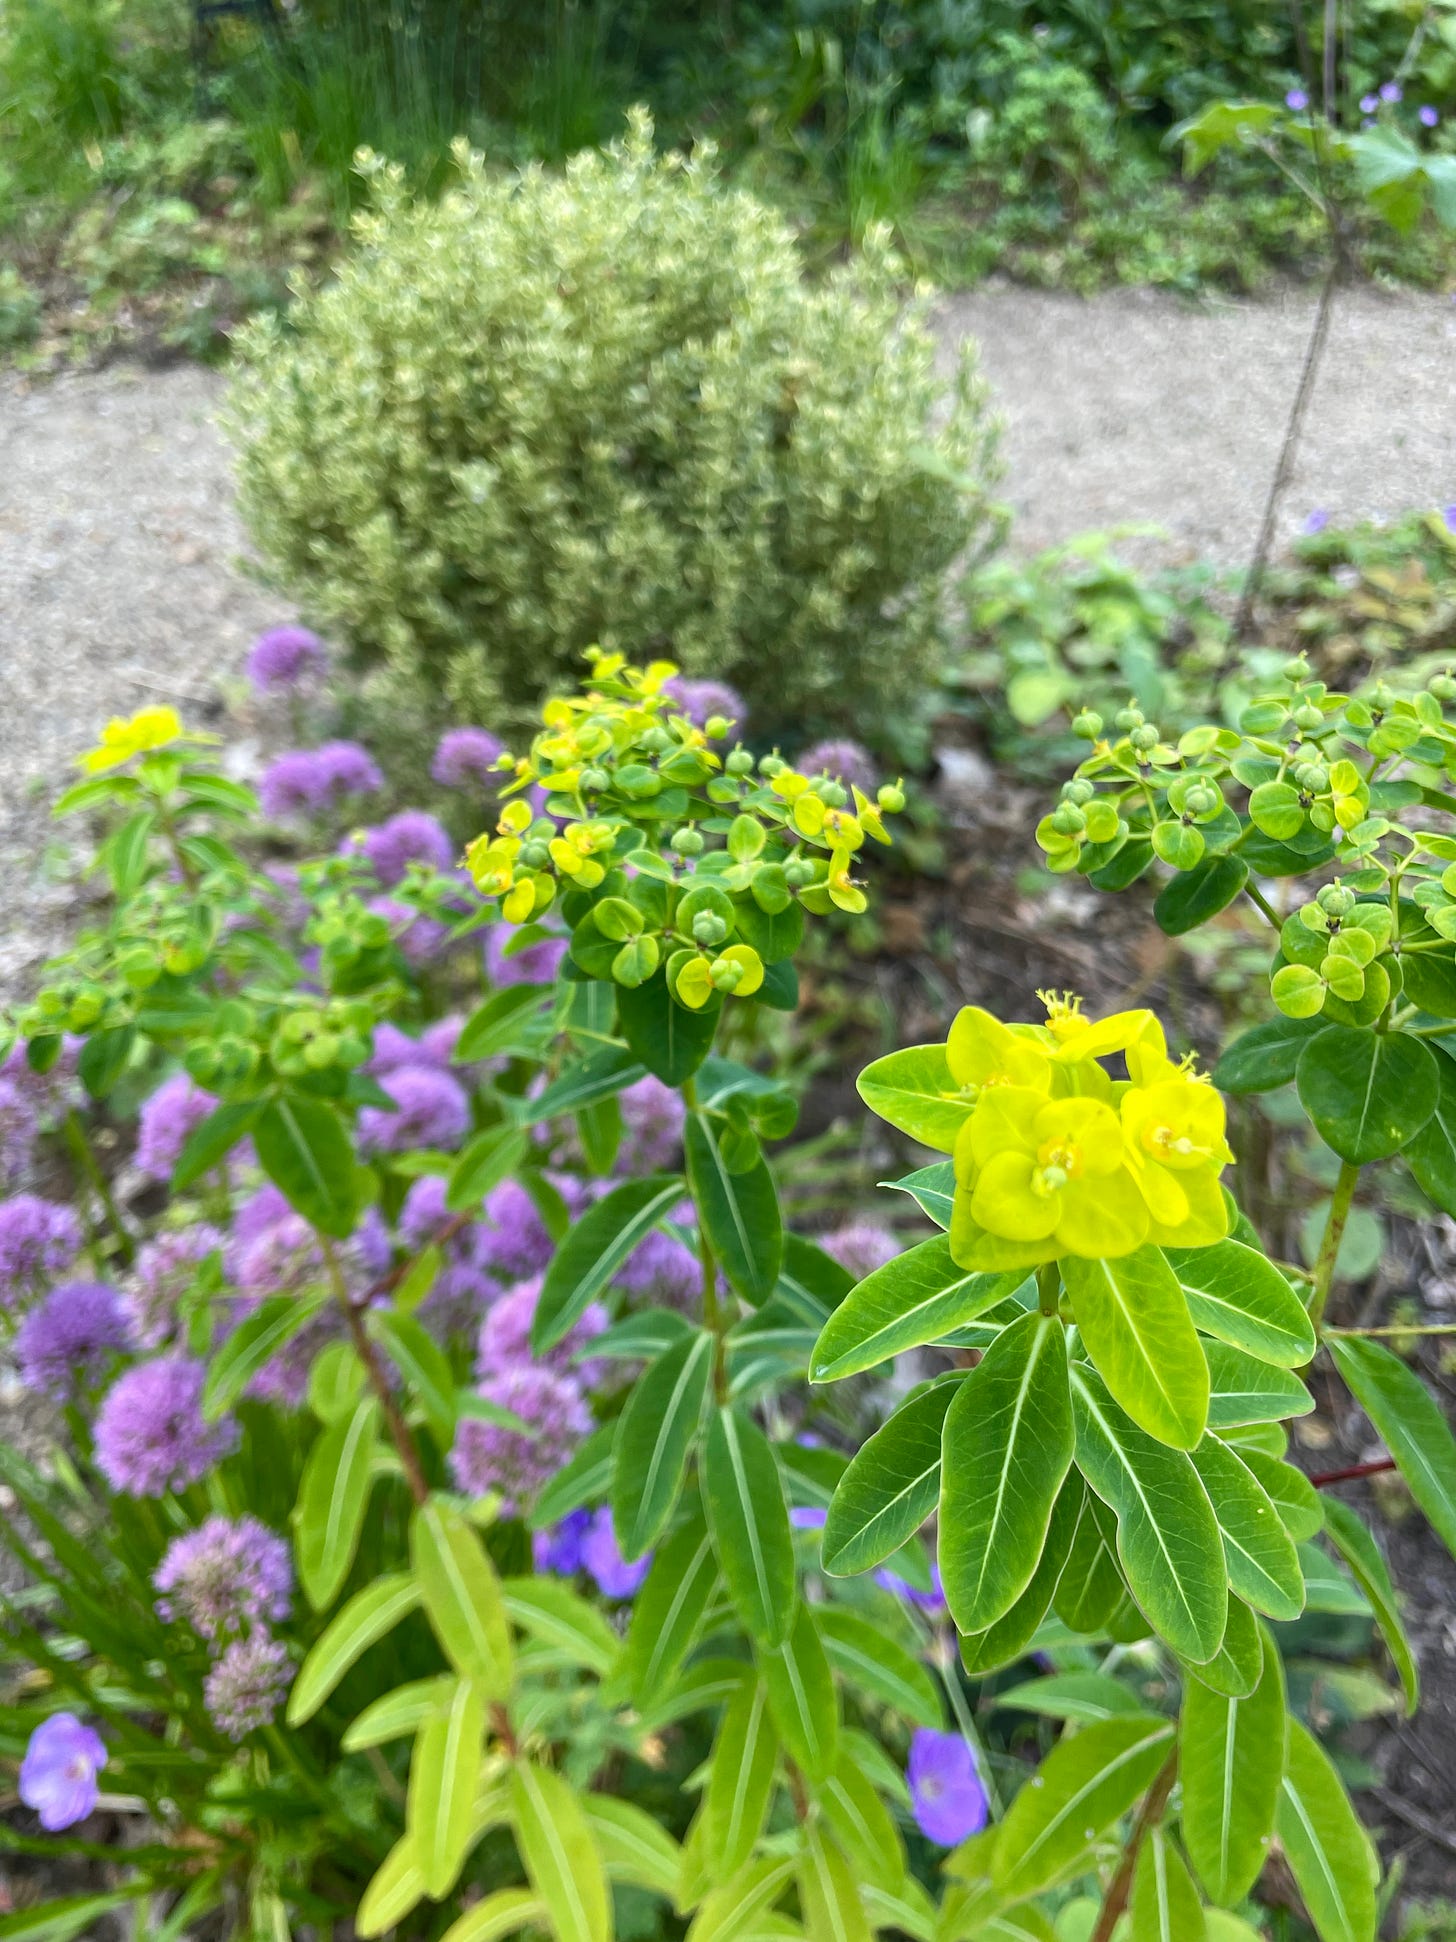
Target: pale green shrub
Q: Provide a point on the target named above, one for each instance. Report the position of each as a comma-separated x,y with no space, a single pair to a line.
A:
605,406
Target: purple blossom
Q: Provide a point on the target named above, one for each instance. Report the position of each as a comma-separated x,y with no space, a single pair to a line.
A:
860,1247
505,1336
1391,92
1296,99
431,1109
487,1457
38,1240
808,1517
845,761
168,1115
419,938
1369,103
226,1577
510,1241
466,757
19,1130
615,1578
701,700
278,1258
438,1041
1315,522
661,1272
652,1126
305,781
461,1295
1427,116
946,1791
560,1548
67,1342
424,1212
58,1773
245,1688
150,1433
1448,514
165,1269
537,964
389,848
931,1602
285,657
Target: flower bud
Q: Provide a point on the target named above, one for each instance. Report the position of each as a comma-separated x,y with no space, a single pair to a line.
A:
1129,717
726,974
739,762
1068,820
1087,725
771,765
1335,900
709,928
593,780
1308,716
1443,686
655,740
891,798
1079,791
1295,671
796,874
716,727
834,794
536,856
687,842
1144,738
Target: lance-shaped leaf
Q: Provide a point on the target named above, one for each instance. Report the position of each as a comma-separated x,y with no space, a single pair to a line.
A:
400,1714
863,1825
739,1213
655,1436
1006,1447
1263,1565
1295,1498
932,1188
1008,1638
497,1025
333,1495
740,1781
743,1496
890,1487
1235,1293
562,1858
398,1885
828,1891
1085,1784
425,1367
607,1070
740,1907
802,1696
634,1848
444,1779
1358,1548
1167,1535
1080,1696
1411,1425
1328,1851
1231,1762
209,1143
1135,1323
667,1610
918,1297
594,1250
303,1148
1235,1668
499,1914
1091,1586
553,1613
482,1165
864,1656
255,1341
369,1616
1165,1905
462,1595
585,1479
914,1091
1247,1390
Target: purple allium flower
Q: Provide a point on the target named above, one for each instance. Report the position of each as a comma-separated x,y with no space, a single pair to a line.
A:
424,1212
1296,99
1315,522
67,1342
1427,116
226,1577
1369,103
845,761
661,1272
38,1240
167,1117
165,1269
510,1241
505,1336
461,1295
560,1548
370,1241
389,848
438,1041
946,1791
615,1578
305,781
466,757
51,1092
58,1773
420,939
431,1109
150,1433
860,1247
245,1688
931,1602
701,700
285,657
280,1258
652,1126
537,964
487,1457
19,1129
1391,92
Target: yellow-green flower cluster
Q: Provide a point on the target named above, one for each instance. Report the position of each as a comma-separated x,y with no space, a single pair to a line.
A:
1059,1157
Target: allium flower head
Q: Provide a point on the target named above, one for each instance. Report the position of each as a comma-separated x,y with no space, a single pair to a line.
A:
413,836
58,1773
245,1688
39,1239
226,1577
284,658
19,1129
845,761
431,1109
652,1126
466,757
511,1241
487,1457
537,964
600,1555
947,1794
305,781
505,1336
860,1247
165,1269
661,1273
1369,103
66,1344
701,700
419,938
166,1119
150,1433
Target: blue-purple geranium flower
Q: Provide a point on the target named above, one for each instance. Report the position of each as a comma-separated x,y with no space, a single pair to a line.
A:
946,1791
58,1773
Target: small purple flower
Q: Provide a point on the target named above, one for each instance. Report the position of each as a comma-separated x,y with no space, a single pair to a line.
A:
165,1269
150,1433
1427,116
560,1549
466,758
389,848
304,781
808,1517
946,1792
38,1240
226,1577
860,1247
1448,514
245,1688
1296,99
1315,522
488,1457
1391,92
701,700
67,1342
537,964
661,1273
431,1109
167,1117
58,1773
843,760
505,1336
652,1126
1369,103
510,1241
285,657
931,1602
615,1578
19,1130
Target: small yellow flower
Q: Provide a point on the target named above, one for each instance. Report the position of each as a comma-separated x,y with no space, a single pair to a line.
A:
148,729
1048,1175
981,1052
1176,1149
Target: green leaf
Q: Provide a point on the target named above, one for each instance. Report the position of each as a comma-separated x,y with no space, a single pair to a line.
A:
1410,1424
304,1150
1328,1586
802,1697
594,1250
749,1521
608,1070
586,1479
739,1213
1368,1093
1196,895
828,1893
462,1595
333,1496
498,1024
1245,1390
1298,1503
1006,1446
369,1616
1266,1057
552,1612
655,1437
561,1855
104,1057
890,1487
209,1143
915,1092
740,1781
739,1907
1234,1669
1431,1155
125,851
1329,1853
444,1779
398,1885
667,1611
255,1341
1135,1323
862,1825
916,1298
1263,1565
1083,1697
1231,1762
1086,1782
424,1366
671,1041
500,1913
1235,1293
634,1849
1167,1536
483,1164
1358,1548
398,1715
63,1917
864,1655
1008,1638
1165,1905
932,1188
1090,1589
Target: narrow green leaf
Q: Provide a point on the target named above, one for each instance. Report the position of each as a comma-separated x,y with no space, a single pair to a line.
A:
916,1298
303,1148
913,1090
561,1855
424,1366
1165,1905
604,1072
462,1595
209,1143
828,1892
1295,1498
739,1907
667,1610
1082,1697
255,1341
333,1496
744,1499
1358,1548
1091,1587
745,1757
398,1715
369,1616
482,1164
553,1612
655,1436
1236,1294
444,1779
866,1657
863,1825
497,1025
63,1917
802,1697
890,1487
1005,1641
1234,1669
634,1848
1231,1762
1135,1323
1247,1390
1410,1424
594,1250
932,1188
584,1480
500,1913
1328,1851
1085,1784
739,1213
1263,1565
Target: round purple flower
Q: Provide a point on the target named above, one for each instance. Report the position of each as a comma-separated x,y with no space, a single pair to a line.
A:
226,1577
19,1130
1427,116
505,1336
559,1549
946,1791
431,1109
652,1126
487,1457
701,700
1296,99
67,1343
510,1241
420,939
1369,103
602,1558
1391,92
661,1272
58,1773
860,1247
150,1433
537,964
466,758
304,781
165,1269
1315,522
245,1688
39,1239
53,1091
389,848
285,657
167,1117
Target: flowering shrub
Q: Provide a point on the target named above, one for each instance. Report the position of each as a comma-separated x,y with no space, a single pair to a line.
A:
626,417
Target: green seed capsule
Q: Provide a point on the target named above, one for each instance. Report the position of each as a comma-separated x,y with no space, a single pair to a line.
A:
1087,725
739,762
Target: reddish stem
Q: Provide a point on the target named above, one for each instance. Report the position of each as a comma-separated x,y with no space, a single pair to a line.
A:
1351,1471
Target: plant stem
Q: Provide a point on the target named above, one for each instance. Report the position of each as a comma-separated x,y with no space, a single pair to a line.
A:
714,1318
944,1658
399,1430
85,1158
1324,1267
1149,1814
1048,1288
1376,1467
1262,903
1395,1328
